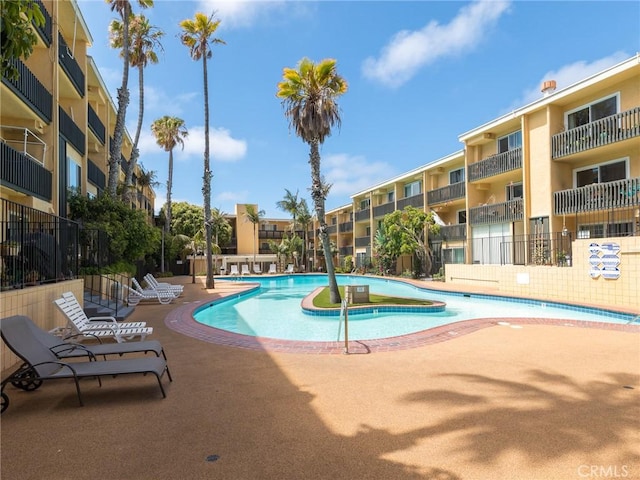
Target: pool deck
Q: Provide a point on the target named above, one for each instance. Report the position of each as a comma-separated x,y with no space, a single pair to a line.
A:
503,401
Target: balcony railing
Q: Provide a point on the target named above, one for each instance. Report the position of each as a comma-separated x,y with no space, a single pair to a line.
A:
271,234
36,247
362,241
451,232
71,131
332,229
495,164
384,209
24,141
70,66
96,125
446,194
415,201
505,212
615,128
598,196
362,215
95,175
346,250
31,90
345,227
20,172
46,30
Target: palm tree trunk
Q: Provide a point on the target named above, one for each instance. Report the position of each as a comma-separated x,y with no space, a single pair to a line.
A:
206,179
167,224
123,101
317,194
135,153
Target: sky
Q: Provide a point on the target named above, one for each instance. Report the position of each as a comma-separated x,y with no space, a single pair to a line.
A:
420,74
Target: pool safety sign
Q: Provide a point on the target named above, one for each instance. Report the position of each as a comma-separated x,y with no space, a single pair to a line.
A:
604,260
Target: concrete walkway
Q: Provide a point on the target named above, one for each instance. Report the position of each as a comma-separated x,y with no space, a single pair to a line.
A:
537,402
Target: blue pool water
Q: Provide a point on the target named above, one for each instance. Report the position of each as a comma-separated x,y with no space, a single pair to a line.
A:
274,310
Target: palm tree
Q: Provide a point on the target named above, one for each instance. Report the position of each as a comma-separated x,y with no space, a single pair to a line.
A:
309,95
169,132
304,220
254,216
220,229
290,204
143,39
123,8
196,35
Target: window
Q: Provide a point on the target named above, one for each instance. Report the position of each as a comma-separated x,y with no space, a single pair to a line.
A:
462,216
453,255
592,112
411,189
74,175
391,196
456,176
364,204
510,142
605,172
514,191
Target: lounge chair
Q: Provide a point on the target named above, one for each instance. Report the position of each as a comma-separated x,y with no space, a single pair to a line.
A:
273,268
154,284
135,296
164,292
40,363
256,269
289,268
101,327
245,269
234,270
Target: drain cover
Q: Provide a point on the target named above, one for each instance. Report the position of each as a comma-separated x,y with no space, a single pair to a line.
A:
212,458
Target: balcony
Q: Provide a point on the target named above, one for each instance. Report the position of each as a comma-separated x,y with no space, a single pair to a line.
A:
95,175
361,215
505,212
271,234
598,196
605,131
45,31
415,201
345,227
332,229
71,131
451,232
384,209
96,125
495,164
363,241
446,194
70,66
31,91
20,172
346,251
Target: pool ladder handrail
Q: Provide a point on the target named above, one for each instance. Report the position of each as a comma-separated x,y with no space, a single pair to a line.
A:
344,309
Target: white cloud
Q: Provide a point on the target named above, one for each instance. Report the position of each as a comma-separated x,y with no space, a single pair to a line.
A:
236,196
242,13
157,100
349,174
223,146
409,51
567,75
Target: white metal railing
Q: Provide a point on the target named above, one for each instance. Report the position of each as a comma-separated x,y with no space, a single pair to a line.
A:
27,145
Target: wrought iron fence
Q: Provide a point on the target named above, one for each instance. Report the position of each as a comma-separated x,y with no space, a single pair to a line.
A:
533,249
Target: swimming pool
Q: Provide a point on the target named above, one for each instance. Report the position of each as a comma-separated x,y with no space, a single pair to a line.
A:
273,310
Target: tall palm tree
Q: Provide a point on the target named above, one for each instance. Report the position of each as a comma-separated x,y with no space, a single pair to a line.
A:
197,35
254,216
144,38
169,132
290,204
304,220
123,8
309,95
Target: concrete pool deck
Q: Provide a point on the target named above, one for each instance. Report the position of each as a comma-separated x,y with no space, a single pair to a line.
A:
541,402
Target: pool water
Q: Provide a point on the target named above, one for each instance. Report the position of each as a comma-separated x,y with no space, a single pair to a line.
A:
274,310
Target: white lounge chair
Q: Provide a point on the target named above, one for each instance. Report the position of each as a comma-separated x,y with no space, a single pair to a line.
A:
257,269
154,284
137,294
101,327
234,270
273,268
245,269
289,268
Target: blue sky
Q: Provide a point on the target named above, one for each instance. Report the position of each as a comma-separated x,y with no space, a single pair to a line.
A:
420,74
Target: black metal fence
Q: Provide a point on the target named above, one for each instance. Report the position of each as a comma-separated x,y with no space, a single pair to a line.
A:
534,249
36,247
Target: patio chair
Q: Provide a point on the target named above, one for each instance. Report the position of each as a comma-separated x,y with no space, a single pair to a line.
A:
245,269
257,269
165,292
101,327
154,284
272,268
289,268
234,270
40,363
135,296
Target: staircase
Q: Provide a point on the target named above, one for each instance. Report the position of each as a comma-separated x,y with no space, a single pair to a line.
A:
94,306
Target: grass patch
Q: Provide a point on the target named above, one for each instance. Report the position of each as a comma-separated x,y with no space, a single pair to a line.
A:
322,300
